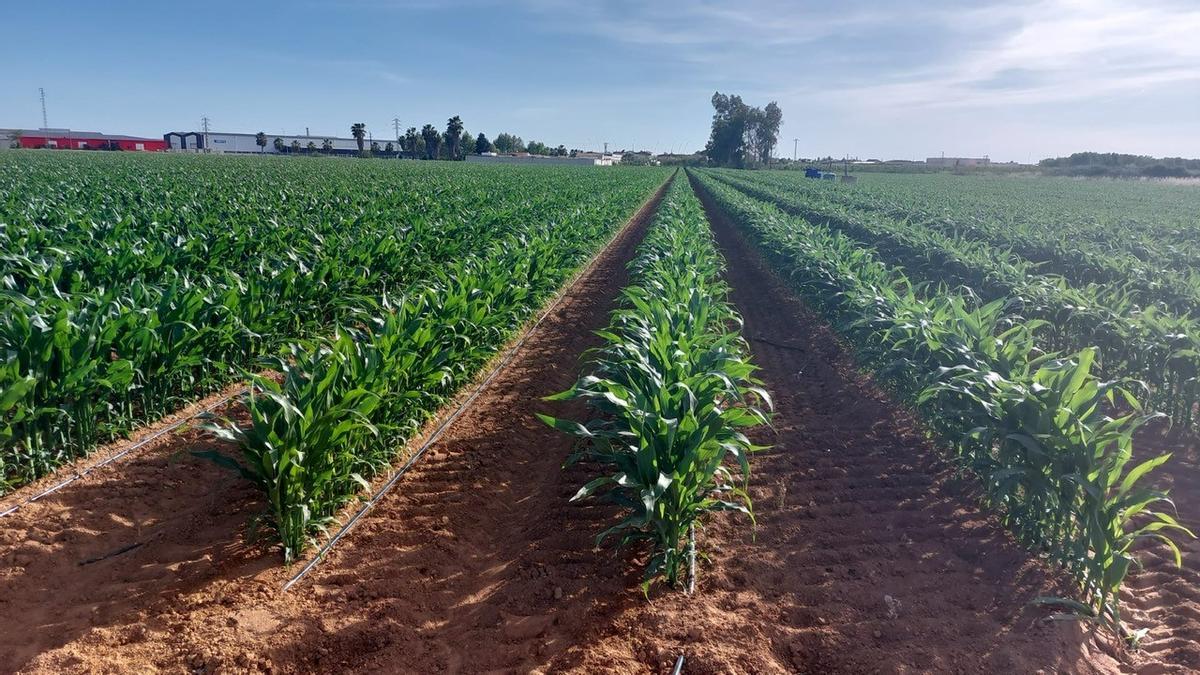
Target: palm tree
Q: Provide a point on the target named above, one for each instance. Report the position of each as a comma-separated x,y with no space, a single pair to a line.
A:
433,141
312,147
278,145
411,140
326,145
261,139
359,131
454,130
295,147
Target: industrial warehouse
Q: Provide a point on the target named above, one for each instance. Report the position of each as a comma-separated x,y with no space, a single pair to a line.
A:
221,142
77,140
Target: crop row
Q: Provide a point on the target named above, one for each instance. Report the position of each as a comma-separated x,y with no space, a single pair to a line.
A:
1034,429
90,352
1149,344
1115,252
669,391
348,402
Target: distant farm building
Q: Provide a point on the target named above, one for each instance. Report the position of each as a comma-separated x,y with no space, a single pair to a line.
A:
69,139
957,162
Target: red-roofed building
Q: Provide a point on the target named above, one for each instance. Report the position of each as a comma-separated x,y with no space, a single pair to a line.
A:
81,140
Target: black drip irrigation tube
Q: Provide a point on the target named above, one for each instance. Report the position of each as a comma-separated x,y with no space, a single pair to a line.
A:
142,443
437,434
691,586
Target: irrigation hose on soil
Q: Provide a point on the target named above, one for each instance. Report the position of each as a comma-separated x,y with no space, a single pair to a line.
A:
437,434
142,443
691,587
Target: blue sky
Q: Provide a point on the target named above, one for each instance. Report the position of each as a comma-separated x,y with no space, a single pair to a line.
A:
1016,80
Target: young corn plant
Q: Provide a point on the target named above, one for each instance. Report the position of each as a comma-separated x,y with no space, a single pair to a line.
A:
670,392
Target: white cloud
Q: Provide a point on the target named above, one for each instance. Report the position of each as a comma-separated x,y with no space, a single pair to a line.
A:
1051,51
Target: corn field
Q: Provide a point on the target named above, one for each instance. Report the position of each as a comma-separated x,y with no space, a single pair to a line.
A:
1035,328
1049,439
133,285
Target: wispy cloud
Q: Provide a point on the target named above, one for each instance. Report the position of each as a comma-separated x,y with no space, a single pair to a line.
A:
1054,51
909,54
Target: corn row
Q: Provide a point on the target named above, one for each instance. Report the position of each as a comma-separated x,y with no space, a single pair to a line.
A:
1151,344
669,390
134,284
1034,428
348,402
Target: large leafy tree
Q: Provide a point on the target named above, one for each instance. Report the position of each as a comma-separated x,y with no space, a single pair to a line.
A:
768,133
359,131
454,132
742,133
726,142
433,141
509,143
467,144
482,144
261,139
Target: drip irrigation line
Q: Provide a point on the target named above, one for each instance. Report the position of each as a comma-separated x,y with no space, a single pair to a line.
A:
678,666
437,434
142,443
691,588
773,343
120,551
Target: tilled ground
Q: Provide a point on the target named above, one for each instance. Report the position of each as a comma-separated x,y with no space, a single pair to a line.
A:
1162,597
867,558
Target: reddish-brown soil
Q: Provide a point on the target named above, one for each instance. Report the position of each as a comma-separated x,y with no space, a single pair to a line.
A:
1161,597
157,523
476,561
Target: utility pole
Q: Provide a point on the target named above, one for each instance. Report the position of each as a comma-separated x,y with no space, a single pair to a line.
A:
204,128
42,93
795,145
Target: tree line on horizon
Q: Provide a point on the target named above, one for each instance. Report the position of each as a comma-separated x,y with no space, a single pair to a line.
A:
455,143
1118,165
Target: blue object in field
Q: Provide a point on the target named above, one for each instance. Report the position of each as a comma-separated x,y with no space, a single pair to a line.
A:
812,172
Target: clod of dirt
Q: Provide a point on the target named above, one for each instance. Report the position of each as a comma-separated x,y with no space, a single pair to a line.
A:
893,607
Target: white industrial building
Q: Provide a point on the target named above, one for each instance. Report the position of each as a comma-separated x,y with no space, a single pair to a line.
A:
221,142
